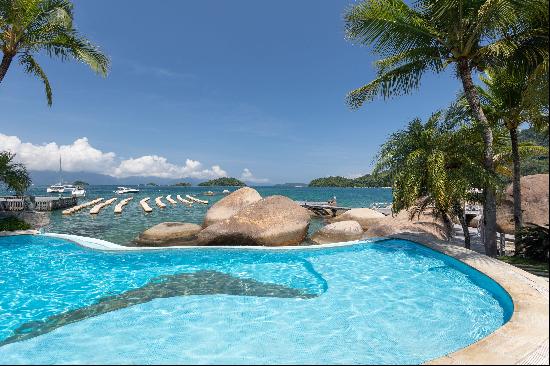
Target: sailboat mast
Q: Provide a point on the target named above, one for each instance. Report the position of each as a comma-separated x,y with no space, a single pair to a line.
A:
60,171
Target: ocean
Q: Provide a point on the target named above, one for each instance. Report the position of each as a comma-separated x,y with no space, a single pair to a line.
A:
123,228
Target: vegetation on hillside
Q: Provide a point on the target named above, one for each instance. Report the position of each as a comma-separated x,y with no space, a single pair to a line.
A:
182,184
13,176
152,184
232,182
28,28
13,223
537,164
367,180
80,183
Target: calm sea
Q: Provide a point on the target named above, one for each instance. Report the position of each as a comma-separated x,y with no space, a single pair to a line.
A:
123,228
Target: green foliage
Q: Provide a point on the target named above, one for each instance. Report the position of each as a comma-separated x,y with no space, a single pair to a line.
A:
430,166
182,184
533,242
28,27
232,182
537,164
13,175
12,223
430,35
80,183
367,180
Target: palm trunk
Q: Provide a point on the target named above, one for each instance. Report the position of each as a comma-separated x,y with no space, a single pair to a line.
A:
489,206
516,184
459,212
5,65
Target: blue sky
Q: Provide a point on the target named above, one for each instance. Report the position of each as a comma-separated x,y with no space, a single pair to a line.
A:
237,84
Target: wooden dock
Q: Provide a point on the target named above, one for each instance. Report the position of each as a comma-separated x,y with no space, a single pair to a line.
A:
14,203
322,208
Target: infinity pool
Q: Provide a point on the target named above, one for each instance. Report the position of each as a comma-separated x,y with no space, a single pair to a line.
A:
390,301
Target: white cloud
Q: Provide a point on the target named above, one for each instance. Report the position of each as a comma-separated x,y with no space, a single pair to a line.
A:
247,176
81,156
158,166
78,156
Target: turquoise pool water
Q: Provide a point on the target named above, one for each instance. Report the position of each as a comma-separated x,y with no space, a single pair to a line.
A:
390,301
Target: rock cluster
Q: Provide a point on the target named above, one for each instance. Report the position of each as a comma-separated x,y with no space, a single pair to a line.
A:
534,203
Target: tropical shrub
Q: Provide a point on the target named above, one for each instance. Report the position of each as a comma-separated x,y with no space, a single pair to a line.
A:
13,223
533,242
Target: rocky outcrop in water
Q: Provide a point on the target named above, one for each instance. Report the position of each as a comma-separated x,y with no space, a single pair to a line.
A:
230,205
169,234
364,216
338,232
534,204
401,223
272,221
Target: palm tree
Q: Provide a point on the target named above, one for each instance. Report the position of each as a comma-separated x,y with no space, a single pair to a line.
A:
430,167
28,27
511,98
433,34
13,175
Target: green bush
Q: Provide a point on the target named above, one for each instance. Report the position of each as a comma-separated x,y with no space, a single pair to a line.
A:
12,223
533,242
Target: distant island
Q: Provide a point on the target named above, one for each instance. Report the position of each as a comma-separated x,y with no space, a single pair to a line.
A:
291,185
80,183
182,184
233,182
367,180
152,184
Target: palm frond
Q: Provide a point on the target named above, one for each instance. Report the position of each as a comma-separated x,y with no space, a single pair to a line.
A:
32,67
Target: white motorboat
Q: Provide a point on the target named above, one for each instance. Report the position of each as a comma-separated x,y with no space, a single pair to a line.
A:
78,192
125,190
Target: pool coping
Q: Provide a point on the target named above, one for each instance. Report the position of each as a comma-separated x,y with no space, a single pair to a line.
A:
523,339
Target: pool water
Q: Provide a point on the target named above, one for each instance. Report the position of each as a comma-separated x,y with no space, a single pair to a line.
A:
390,301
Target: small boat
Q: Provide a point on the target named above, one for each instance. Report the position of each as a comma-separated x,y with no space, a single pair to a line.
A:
78,192
124,190
226,191
208,193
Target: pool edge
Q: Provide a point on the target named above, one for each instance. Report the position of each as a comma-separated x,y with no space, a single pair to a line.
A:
524,338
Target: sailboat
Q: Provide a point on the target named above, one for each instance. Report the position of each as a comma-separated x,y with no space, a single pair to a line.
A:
75,191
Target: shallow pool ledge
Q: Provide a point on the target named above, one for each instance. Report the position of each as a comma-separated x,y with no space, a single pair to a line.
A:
522,340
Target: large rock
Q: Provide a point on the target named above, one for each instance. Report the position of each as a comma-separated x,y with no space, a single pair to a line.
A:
169,233
230,205
338,232
534,203
400,223
272,221
364,216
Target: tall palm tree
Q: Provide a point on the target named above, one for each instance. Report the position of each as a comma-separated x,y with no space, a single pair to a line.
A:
511,98
13,175
28,27
433,34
